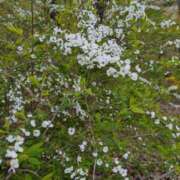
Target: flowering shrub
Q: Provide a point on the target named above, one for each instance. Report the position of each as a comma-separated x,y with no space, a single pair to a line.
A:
88,98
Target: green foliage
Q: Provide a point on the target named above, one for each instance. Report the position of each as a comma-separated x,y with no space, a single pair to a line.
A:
43,84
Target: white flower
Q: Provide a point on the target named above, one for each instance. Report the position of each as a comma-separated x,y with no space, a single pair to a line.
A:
11,154
52,39
95,154
136,52
47,124
115,170
99,162
77,87
82,178
101,143
71,131
19,49
126,155
134,76
57,30
177,43
26,133
161,52
94,84
14,163
10,138
79,159
126,68
170,126
67,159
105,149
73,175
33,123
167,23
68,170
81,172
29,115
19,139
116,161
84,143
172,88
112,72
120,170
157,121
153,115
123,172
36,133
83,146
79,111
41,38
17,147
138,69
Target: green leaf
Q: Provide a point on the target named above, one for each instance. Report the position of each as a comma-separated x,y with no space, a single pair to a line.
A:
34,81
135,107
23,157
34,161
35,150
20,115
2,132
14,29
28,177
48,176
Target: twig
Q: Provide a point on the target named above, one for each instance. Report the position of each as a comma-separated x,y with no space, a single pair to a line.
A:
8,176
52,120
94,170
92,133
31,172
32,33
23,170
32,19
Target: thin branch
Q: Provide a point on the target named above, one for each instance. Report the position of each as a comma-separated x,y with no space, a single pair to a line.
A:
30,172
32,33
32,19
94,170
8,176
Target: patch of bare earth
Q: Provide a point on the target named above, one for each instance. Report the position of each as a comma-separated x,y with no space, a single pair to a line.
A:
170,108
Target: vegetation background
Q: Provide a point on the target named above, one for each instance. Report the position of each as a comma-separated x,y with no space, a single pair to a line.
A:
89,90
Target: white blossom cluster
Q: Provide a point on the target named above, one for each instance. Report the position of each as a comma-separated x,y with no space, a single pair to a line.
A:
16,100
176,43
135,10
79,111
76,174
125,70
168,123
165,24
80,173
119,170
13,150
94,53
95,49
